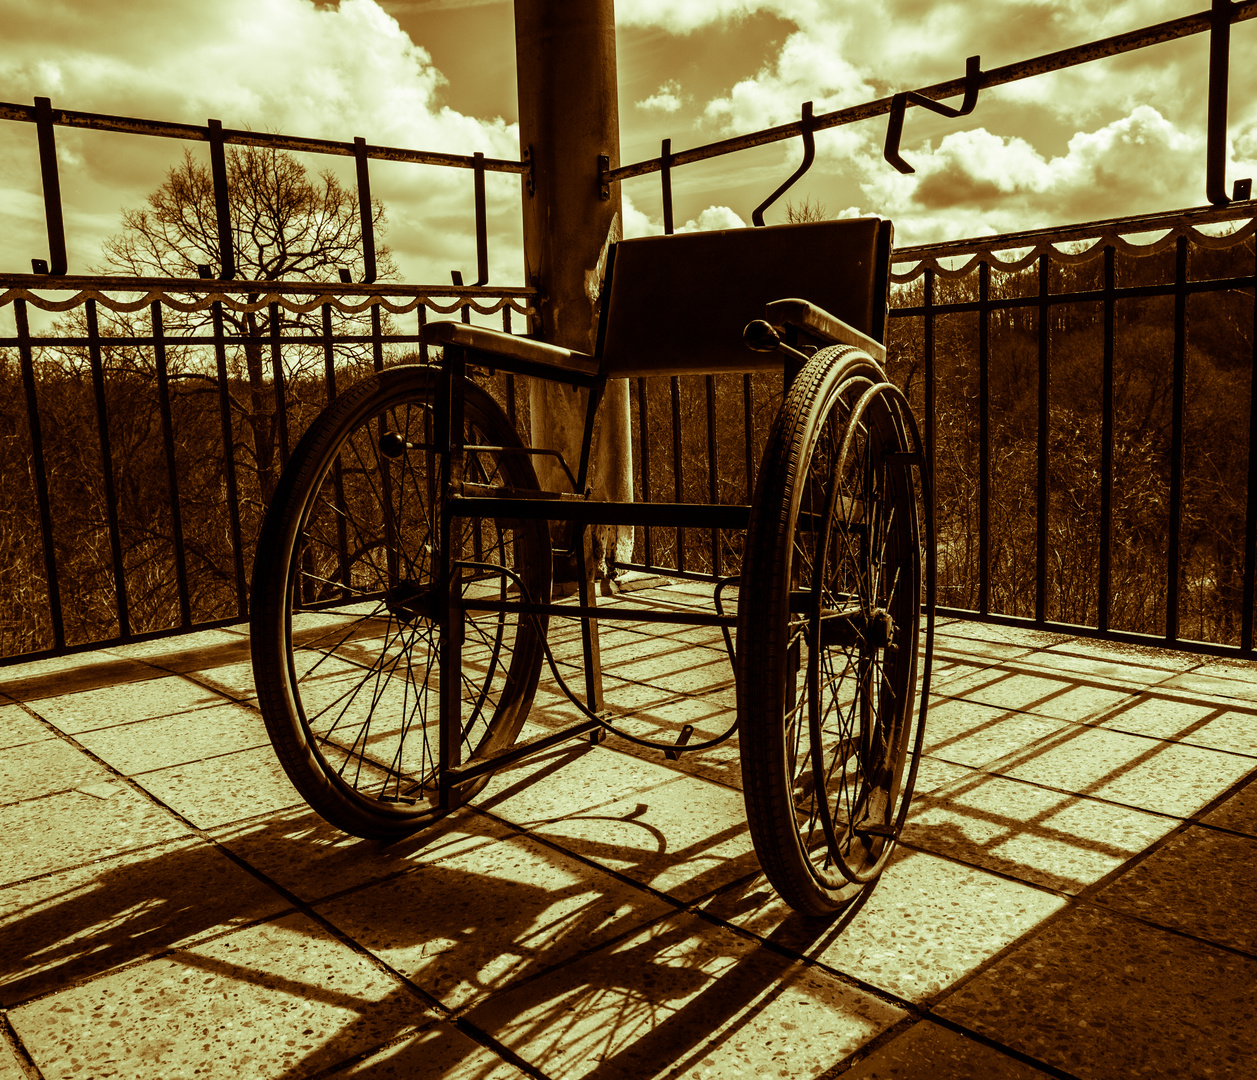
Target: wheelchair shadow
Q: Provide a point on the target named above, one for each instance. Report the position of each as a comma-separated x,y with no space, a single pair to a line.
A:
490,942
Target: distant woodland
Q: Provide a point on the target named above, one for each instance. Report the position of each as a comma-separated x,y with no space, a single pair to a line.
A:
292,225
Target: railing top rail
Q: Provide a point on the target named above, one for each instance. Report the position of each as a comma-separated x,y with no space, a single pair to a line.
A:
1091,230
1156,34
199,133
115,283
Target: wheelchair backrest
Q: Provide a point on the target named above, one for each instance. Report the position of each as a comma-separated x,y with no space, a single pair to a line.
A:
677,305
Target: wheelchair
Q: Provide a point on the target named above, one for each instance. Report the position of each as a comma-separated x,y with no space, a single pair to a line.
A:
401,592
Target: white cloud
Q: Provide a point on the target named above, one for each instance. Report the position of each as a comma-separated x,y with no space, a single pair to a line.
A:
666,99
976,183
714,217
685,16
279,65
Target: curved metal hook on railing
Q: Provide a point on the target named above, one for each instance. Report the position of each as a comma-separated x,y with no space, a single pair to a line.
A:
482,226
900,102
809,155
1220,16
56,262
365,216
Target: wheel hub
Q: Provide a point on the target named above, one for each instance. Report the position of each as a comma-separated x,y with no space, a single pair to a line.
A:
410,601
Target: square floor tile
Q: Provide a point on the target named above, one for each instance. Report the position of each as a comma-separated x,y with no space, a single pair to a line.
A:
926,923
1201,882
685,838
176,740
27,772
930,1052
1166,777
1238,813
73,828
59,676
9,1067
568,779
233,787
1191,721
682,999
301,852
1107,998
439,1053
1043,837
103,706
1057,696
279,999
972,734
479,920
18,727
65,927
190,652
1118,652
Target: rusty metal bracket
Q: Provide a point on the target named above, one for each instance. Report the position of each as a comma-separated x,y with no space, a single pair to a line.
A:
56,264
1220,16
530,181
365,217
604,177
900,102
809,155
222,204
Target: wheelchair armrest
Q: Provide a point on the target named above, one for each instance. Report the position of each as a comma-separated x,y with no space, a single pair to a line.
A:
511,352
818,323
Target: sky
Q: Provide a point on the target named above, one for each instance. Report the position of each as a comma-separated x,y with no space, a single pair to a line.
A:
1118,136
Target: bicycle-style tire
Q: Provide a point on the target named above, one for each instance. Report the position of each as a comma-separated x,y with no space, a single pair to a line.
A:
828,622
345,617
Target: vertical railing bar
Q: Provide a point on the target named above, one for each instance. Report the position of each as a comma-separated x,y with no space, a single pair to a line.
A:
482,221
229,458
1250,509
53,214
643,441
748,434
665,180
26,356
1172,558
106,468
222,203
930,392
377,339
421,312
676,465
172,471
338,480
713,470
277,376
984,439
365,217
512,407
1041,510
329,356
1104,598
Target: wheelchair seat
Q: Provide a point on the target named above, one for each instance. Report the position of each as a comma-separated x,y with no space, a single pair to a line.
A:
677,305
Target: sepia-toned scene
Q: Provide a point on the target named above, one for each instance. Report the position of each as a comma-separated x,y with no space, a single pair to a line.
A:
628,539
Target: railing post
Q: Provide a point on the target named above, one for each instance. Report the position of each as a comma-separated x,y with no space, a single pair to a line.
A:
568,120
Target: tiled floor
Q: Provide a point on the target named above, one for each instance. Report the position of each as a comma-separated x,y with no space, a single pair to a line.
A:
1074,896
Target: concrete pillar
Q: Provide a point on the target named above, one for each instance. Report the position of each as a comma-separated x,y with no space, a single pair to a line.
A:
568,116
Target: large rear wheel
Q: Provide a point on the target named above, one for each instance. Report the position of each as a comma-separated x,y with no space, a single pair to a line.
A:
827,633
345,625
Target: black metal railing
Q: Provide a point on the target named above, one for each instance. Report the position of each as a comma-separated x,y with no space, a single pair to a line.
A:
1090,423
142,429
141,433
